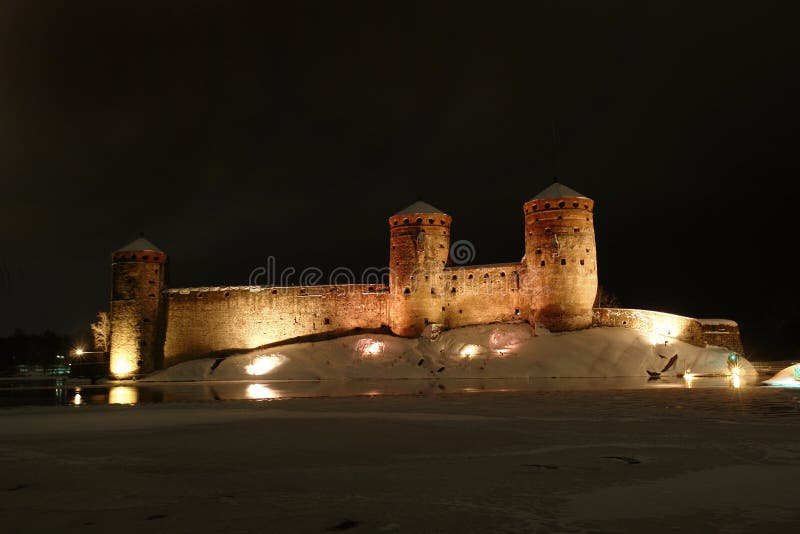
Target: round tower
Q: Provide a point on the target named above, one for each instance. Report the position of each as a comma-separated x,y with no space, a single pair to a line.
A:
419,248
560,258
138,278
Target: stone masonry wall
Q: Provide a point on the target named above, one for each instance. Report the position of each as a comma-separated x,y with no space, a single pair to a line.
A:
722,333
207,320
483,294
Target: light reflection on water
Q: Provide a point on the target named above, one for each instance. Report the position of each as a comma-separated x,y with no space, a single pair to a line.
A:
130,393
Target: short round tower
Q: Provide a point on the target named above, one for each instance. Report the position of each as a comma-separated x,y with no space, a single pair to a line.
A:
560,258
419,248
138,278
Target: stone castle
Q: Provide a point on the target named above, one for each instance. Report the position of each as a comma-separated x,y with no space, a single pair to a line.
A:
154,326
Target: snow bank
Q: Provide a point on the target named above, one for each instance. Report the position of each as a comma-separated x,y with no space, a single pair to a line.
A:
486,351
789,377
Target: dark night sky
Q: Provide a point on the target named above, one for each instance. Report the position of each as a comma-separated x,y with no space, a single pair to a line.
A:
229,134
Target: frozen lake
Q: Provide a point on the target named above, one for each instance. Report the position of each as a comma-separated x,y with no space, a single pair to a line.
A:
27,392
546,455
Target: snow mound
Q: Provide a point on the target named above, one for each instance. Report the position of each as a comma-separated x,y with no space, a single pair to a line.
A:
507,350
789,377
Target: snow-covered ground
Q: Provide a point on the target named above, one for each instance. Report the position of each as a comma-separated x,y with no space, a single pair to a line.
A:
788,377
487,351
655,460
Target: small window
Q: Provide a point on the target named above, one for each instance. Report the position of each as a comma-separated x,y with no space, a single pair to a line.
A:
433,291
407,291
460,311
561,204
453,291
582,262
145,258
576,230
586,206
455,277
419,220
227,293
370,288
470,277
516,311
327,321
538,251
547,230
442,221
560,217
574,204
541,264
563,261
502,275
274,291
547,205
486,275
535,207
395,222
442,308
430,221
405,221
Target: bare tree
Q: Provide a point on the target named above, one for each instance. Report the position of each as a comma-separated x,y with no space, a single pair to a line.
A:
101,331
605,299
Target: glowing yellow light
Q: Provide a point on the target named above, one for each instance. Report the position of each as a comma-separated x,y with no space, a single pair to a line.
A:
263,365
736,371
469,350
77,400
260,391
122,366
373,348
688,375
736,380
79,352
123,395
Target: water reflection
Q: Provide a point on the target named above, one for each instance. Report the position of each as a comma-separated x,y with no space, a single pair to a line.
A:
123,395
60,393
260,392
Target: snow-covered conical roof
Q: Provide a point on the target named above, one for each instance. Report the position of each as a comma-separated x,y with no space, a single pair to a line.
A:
419,207
139,245
558,190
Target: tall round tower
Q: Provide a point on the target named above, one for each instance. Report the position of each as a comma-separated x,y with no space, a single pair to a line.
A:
560,258
137,311
419,247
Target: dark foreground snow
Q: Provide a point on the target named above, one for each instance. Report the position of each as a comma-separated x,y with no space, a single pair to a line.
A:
657,460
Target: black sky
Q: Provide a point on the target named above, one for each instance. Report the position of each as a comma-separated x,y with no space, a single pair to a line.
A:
232,131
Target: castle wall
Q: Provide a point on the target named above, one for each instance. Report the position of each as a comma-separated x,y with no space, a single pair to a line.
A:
206,320
137,319
561,261
483,294
419,245
699,332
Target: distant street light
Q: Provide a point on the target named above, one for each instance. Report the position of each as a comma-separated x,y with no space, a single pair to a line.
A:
81,352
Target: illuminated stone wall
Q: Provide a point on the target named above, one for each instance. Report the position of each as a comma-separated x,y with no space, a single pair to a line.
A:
722,333
419,245
137,318
483,294
561,261
207,320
